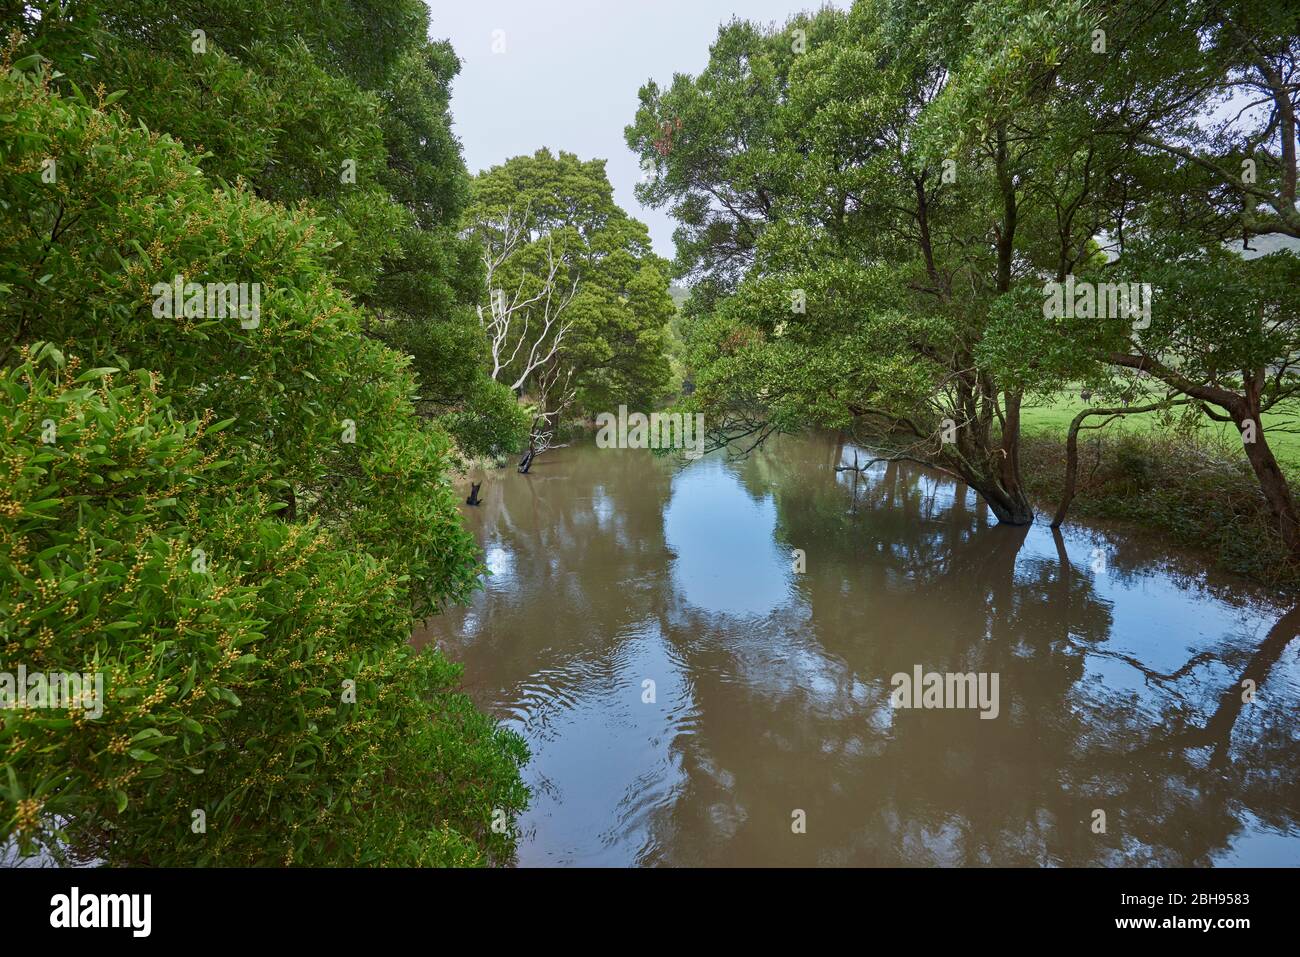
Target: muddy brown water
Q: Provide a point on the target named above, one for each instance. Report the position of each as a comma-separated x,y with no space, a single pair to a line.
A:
769,734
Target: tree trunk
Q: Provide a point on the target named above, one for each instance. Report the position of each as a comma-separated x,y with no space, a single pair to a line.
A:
999,485
1072,448
1244,411
527,461
1071,469
1008,509
1271,480
1276,490
1005,493
1011,446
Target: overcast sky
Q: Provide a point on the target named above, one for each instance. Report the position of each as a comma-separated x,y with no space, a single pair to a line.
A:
570,72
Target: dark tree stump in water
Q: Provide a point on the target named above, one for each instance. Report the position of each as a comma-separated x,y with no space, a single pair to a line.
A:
473,494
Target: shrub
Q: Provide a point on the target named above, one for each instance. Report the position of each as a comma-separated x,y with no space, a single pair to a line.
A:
1132,464
197,529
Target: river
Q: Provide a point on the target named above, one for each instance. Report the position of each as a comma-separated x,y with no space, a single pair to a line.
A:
696,692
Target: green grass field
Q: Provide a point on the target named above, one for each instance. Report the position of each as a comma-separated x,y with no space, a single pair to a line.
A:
1056,416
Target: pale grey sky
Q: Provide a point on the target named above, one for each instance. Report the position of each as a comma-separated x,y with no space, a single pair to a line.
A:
570,71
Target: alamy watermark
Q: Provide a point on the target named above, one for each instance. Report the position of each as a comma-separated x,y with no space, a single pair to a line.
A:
130,911
209,300
659,430
933,689
1104,300
63,690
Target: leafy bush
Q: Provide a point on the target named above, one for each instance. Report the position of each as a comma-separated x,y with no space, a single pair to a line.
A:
1132,464
197,528
338,109
291,385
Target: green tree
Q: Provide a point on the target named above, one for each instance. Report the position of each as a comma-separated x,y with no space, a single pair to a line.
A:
338,105
232,519
872,203
888,234
1208,111
1185,115
578,301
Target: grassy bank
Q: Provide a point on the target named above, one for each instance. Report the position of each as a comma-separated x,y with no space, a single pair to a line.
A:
1053,418
1196,488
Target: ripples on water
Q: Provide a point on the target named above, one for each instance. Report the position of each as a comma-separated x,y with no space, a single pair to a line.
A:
1119,666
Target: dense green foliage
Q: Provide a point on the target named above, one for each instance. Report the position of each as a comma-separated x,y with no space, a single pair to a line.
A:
337,106
224,689
873,201
613,349
234,522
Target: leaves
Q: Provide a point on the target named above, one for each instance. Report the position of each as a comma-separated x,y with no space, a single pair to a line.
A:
141,542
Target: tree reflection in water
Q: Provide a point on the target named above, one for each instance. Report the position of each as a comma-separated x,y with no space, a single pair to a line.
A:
1121,688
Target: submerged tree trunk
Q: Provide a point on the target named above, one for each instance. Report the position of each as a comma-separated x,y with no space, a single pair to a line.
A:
989,466
1010,508
534,441
1019,511
1072,448
526,462
1002,491
998,481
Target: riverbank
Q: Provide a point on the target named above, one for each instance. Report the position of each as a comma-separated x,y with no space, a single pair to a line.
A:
1054,417
1193,489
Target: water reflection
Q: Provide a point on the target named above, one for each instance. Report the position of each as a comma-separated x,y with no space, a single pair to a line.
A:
1120,670
707,525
